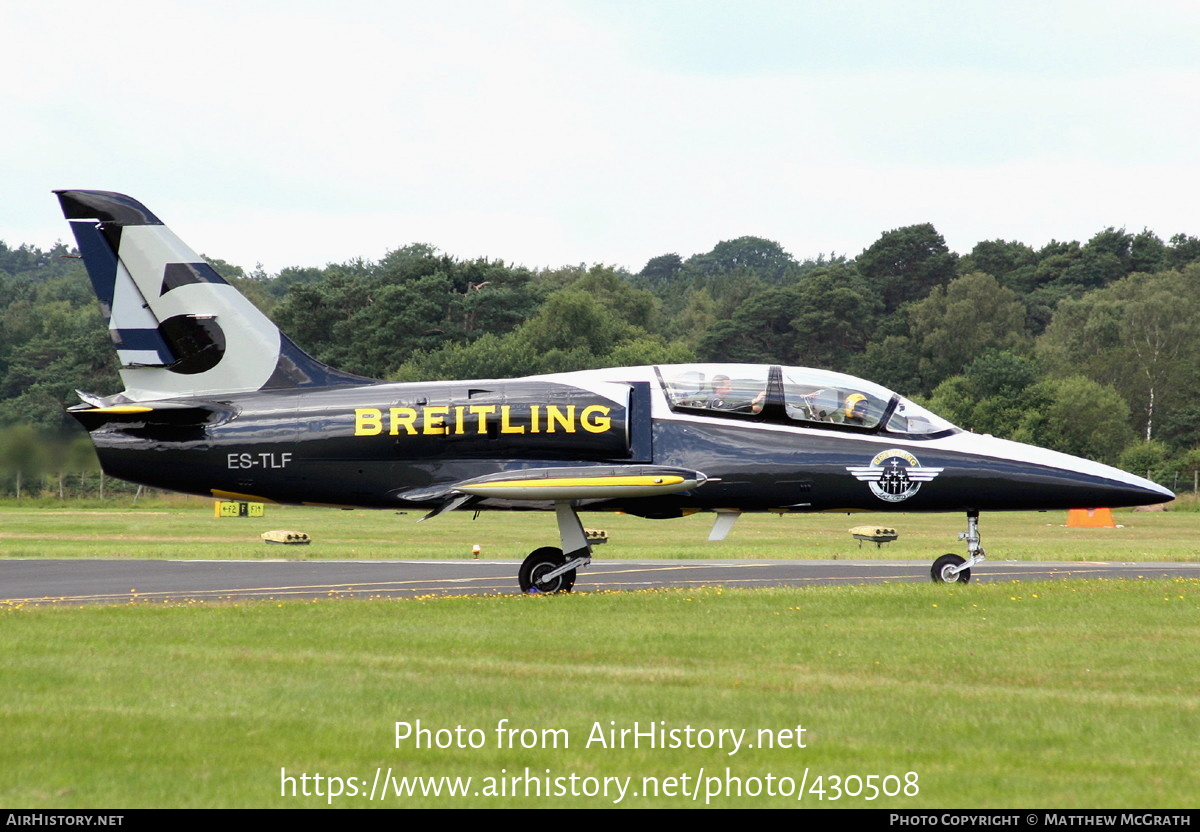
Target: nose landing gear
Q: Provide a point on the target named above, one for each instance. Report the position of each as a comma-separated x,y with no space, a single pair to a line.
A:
951,569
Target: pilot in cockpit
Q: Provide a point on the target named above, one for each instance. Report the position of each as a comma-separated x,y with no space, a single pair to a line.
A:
856,409
723,397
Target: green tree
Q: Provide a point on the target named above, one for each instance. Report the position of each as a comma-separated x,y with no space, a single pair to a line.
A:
22,455
1184,249
960,322
613,290
993,395
956,400
1112,241
489,356
1147,458
834,317
1141,335
82,460
1077,416
52,348
572,319
697,317
906,263
1094,269
756,255
1006,261
759,331
660,274
820,320
892,360
370,318
648,350
1147,253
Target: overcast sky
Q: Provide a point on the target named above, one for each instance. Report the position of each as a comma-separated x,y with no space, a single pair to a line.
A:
547,133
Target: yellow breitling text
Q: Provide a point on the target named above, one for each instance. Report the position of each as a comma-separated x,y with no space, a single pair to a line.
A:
457,420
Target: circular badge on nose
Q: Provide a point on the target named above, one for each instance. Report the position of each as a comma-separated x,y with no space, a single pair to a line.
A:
894,475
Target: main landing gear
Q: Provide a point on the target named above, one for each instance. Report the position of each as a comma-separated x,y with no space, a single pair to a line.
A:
549,569
951,569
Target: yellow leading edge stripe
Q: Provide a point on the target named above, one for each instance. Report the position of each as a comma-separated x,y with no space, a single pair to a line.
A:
121,409
577,482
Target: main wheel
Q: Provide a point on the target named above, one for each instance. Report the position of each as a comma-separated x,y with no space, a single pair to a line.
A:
541,562
941,573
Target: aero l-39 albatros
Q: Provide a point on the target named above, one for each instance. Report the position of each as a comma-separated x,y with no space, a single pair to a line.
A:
219,402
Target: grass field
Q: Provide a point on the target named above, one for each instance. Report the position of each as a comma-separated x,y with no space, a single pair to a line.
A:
1056,695
175,529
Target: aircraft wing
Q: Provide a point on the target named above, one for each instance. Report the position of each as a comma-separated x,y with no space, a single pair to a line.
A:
605,482
583,483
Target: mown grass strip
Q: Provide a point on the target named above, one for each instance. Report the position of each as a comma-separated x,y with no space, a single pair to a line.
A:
1057,695
190,531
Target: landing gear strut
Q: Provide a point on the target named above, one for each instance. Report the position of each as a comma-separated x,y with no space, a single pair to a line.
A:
950,569
549,570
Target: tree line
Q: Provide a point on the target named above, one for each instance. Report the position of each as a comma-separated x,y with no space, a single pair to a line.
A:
1090,348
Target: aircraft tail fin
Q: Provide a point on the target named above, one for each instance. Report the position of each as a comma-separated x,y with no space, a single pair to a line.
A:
179,328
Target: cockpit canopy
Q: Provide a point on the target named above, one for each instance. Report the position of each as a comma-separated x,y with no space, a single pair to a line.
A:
797,396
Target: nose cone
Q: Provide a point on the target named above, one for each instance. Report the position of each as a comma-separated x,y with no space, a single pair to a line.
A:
1037,478
1134,492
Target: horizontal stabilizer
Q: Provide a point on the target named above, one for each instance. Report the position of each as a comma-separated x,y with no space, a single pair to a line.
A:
167,414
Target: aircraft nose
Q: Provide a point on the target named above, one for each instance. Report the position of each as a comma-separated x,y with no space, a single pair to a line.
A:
1093,485
1119,491
1114,488
1146,492
1044,479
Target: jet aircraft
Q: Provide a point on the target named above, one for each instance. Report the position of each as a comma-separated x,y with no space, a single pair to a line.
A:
219,402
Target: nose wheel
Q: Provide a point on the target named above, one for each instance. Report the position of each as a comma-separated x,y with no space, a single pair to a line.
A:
951,569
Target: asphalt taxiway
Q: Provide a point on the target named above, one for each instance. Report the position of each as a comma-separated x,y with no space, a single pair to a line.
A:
153,581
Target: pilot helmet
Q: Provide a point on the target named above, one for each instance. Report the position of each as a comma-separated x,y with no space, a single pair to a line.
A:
853,400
